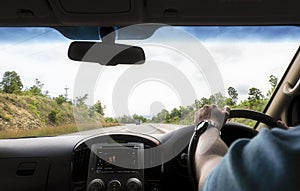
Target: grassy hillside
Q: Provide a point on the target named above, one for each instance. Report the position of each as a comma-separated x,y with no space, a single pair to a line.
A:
30,112
22,115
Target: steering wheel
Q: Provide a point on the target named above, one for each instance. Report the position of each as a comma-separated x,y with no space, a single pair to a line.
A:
230,132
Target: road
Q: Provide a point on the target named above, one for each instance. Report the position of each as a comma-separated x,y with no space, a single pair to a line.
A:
146,128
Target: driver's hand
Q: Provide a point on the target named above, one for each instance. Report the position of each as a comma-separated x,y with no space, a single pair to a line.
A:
213,113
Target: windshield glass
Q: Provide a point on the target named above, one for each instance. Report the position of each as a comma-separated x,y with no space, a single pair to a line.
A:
44,93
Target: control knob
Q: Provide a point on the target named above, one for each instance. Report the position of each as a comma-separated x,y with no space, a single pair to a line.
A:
134,184
96,185
114,185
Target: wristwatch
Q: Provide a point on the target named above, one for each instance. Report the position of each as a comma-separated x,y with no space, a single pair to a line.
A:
201,127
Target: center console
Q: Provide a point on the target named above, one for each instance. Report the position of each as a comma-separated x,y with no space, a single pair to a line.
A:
116,167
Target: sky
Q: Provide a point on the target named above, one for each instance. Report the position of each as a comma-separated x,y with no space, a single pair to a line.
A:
183,64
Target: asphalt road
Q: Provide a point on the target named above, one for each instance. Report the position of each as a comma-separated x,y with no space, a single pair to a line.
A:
145,128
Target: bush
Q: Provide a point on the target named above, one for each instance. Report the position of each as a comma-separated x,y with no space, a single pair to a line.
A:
60,99
53,116
33,108
5,117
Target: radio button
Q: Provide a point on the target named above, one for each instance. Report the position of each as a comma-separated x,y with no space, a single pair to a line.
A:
96,185
134,184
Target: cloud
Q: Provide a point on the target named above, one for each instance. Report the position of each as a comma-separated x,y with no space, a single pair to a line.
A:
46,61
21,35
249,64
246,33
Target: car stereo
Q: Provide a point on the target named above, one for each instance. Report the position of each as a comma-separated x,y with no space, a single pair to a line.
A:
116,167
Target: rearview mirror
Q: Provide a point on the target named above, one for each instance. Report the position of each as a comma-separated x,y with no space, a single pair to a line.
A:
106,54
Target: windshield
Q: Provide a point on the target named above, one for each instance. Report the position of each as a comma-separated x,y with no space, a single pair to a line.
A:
44,93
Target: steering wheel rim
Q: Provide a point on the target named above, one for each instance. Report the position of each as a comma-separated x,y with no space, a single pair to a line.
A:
254,115
236,113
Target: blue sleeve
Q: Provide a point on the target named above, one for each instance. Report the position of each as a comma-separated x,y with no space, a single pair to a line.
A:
270,161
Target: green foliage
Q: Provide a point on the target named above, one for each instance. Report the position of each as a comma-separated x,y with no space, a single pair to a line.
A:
125,119
37,88
255,98
185,115
131,119
80,101
53,116
217,99
98,108
161,117
11,83
255,93
233,94
5,117
33,107
200,103
110,120
60,99
55,112
273,82
139,117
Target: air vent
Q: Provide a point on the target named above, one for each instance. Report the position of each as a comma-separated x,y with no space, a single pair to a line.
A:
81,164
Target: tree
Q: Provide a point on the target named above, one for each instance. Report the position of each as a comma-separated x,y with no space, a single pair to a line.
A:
217,99
255,99
184,111
255,93
273,80
139,117
162,117
233,94
200,103
11,83
37,88
125,119
98,108
80,101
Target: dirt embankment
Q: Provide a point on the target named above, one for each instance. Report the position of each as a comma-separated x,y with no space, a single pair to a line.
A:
31,112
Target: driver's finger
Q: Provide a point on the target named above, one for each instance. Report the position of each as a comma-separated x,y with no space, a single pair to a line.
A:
281,124
226,111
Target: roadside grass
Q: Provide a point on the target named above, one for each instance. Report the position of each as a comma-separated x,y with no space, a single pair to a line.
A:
51,131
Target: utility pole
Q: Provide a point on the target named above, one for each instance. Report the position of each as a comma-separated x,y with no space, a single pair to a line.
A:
66,95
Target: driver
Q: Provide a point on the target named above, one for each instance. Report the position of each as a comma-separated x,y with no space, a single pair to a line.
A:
269,161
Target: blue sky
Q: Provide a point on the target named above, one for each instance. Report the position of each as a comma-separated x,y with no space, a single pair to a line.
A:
266,33
24,34
225,33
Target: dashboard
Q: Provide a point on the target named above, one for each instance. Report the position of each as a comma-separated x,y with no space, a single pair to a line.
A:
99,162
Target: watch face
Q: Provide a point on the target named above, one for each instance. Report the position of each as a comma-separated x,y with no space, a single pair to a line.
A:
202,125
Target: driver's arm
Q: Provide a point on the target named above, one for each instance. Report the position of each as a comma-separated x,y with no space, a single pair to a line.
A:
208,156
211,148
234,172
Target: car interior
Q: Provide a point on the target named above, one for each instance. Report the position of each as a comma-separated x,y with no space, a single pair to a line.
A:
96,161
